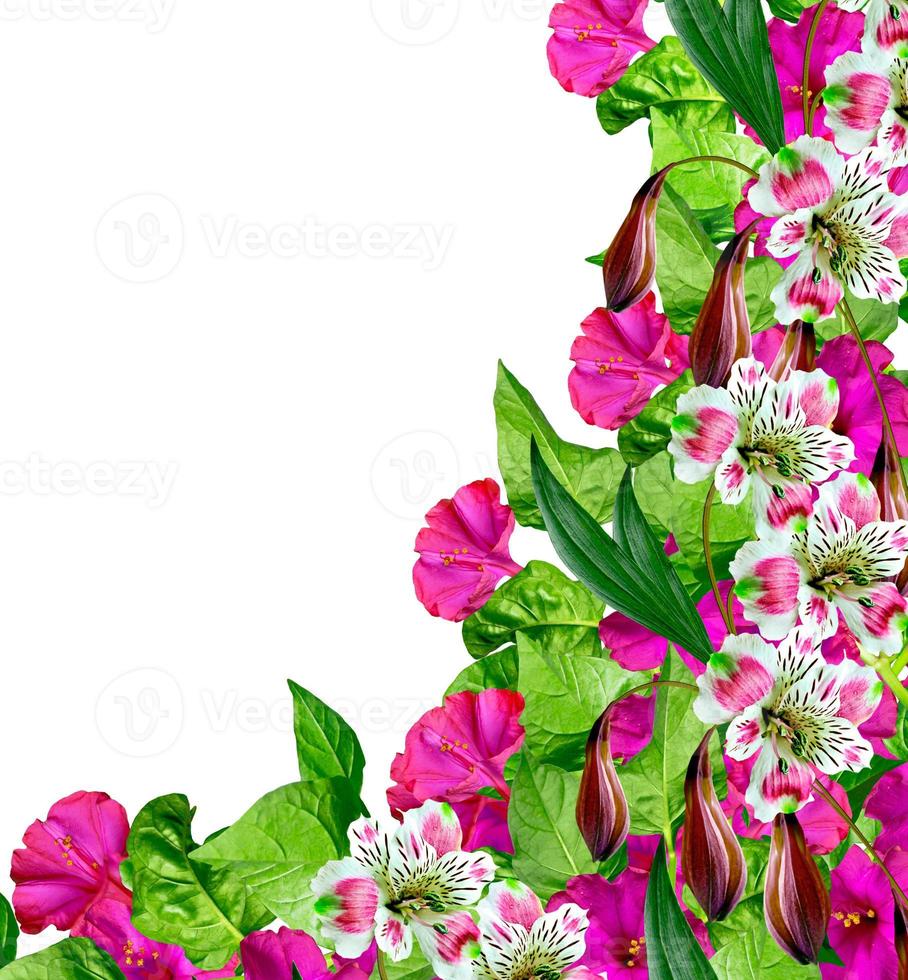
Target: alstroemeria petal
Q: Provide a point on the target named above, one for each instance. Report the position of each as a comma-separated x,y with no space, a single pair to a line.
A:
803,174
450,944
392,935
556,939
876,615
437,825
853,495
347,900
779,783
893,137
745,734
704,428
767,581
857,94
783,507
511,901
808,289
738,677
460,877
885,27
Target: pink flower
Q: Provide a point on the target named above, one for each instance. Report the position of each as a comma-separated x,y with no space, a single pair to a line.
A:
456,754
621,360
272,956
862,924
594,42
109,925
859,416
70,861
464,551
635,648
886,803
840,32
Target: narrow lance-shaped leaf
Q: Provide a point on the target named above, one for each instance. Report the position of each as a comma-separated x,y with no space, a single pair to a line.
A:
652,596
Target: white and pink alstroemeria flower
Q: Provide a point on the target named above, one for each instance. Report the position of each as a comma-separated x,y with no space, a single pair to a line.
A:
520,940
798,712
885,24
839,564
415,882
866,99
836,218
772,436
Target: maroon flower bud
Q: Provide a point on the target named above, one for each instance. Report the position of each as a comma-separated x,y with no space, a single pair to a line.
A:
797,353
795,900
711,856
901,936
891,491
602,813
721,334
629,269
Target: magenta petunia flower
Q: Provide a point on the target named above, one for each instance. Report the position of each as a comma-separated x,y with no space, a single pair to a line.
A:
621,360
635,648
272,956
859,416
886,803
70,861
456,754
840,32
594,42
862,923
464,551
109,925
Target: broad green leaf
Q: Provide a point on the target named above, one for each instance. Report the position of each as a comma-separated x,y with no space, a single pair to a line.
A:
590,475
746,951
278,846
564,696
542,602
548,847
73,959
789,10
859,784
326,746
875,320
650,432
712,190
179,901
416,967
648,592
730,528
497,671
9,932
730,47
655,487
687,261
869,828
663,78
672,951
654,779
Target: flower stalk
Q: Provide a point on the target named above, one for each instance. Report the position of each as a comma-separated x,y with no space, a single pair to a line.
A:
811,106
725,611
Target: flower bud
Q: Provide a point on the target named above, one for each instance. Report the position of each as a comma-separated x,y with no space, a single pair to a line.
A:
797,353
891,491
721,334
711,856
602,813
901,936
795,900
629,269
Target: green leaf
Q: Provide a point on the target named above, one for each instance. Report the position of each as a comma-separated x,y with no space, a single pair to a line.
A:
9,932
277,847
73,959
746,951
672,951
548,847
730,47
687,261
589,475
564,696
650,432
712,190
875,320
654,779
789,10
496,672
730,528
655,487
176,900
664,79
415,967
544,603
326,746
644,587
859,784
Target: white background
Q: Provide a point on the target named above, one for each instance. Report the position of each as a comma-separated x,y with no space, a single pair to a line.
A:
307,401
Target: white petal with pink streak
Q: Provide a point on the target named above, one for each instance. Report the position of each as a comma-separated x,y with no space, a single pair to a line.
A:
745,734
512,902
768,578
852,495
802,175
808,289
741,675
705,427
880,626
859,93
779,783
347,901
393,935
860,691
450,943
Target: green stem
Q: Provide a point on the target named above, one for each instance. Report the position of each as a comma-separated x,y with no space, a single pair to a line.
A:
380,963
871,852
808,53
653,683
718,159
900,662
888,432
891,679
710,568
